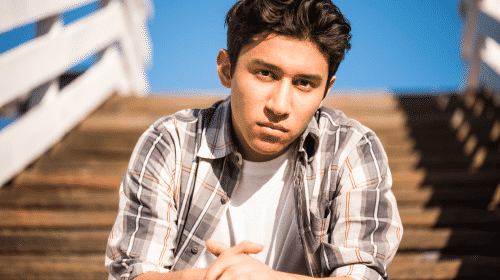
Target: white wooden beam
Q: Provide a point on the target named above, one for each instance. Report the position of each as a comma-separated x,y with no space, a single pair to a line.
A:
47,57
15,13
490,54
491,8
40,128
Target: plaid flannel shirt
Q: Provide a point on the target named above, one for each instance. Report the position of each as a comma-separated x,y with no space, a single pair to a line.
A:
185,166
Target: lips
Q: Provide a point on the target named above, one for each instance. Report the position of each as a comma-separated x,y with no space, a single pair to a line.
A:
273,126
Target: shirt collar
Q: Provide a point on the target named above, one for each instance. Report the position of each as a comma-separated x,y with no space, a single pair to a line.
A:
217,139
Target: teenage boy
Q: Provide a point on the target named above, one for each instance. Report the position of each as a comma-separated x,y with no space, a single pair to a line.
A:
266,184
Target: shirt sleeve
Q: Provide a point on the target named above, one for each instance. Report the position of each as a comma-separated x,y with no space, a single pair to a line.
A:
144,233
366,224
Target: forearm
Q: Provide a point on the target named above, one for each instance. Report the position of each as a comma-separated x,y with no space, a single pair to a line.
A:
192,273
290,276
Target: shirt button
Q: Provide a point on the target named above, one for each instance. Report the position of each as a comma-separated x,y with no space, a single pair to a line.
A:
194,250
224,199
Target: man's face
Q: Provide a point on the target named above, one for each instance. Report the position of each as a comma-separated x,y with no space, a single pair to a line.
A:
277,86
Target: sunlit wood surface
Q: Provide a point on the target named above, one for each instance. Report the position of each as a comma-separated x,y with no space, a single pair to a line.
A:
56,215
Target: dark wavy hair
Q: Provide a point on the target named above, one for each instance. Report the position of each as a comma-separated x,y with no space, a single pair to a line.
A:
319,21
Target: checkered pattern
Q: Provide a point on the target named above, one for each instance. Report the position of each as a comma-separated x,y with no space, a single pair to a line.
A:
185,166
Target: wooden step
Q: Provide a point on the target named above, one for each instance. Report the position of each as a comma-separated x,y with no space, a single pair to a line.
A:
53,242
451,241
463,194
52,219
58,198
100,175
102,142
456,217
423,177
53,267
110,175
433,265
154,104
130,104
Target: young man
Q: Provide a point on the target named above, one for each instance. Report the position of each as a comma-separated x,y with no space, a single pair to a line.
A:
266,184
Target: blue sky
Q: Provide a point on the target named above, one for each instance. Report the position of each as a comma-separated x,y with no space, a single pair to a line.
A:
395,45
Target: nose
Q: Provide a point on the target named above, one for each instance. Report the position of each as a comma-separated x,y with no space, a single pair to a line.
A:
278,106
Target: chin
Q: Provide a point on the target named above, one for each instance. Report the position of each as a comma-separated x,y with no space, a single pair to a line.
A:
268,148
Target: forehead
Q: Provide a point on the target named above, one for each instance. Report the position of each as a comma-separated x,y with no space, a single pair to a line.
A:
285,52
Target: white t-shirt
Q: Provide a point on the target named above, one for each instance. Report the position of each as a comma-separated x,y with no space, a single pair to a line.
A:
262,211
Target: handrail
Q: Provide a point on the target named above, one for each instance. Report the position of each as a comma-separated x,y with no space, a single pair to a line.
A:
481,44
116,34
14,13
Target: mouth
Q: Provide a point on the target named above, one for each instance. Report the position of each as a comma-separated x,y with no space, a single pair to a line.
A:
273,126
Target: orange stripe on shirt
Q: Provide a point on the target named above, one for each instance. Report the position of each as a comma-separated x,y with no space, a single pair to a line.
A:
348,201
358,255
165,240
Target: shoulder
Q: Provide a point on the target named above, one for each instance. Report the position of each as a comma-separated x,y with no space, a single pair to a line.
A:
341,135
333,120
186,120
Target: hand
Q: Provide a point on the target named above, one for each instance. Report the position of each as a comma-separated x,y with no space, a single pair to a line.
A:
235,262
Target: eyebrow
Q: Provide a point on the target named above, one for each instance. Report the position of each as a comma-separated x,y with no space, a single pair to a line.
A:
277,69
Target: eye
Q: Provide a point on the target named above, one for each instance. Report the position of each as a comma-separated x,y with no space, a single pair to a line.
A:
304,84
265,75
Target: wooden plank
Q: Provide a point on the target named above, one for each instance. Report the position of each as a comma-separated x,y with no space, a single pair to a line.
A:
53,242
443,194
134,104
165,105
47,57
14,13
110,175
83,241
82,179
415,217
21,141
40,219
53,267
155,105
433,265
103,142
59,198
66,153
491,8
422,266
117,122
491,54
420,176
115,139
408,267
459,241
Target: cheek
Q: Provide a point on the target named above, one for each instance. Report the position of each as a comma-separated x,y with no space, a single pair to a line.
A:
306,111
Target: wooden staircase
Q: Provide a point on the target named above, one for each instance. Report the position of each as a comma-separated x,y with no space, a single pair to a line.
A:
56,215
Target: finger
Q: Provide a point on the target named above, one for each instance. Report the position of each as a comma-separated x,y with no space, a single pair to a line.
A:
215,247
219,266
246,247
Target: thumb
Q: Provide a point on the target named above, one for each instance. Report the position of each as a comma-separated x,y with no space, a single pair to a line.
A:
215,247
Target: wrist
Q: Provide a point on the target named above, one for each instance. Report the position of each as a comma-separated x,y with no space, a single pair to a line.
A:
193,273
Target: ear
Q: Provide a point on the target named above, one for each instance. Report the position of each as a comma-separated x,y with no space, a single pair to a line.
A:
330,84
224,68
329,87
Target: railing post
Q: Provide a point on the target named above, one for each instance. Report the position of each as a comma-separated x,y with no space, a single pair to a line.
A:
100,54
470,43
50,26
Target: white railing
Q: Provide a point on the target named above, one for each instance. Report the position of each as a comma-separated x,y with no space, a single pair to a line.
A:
116,33
481,44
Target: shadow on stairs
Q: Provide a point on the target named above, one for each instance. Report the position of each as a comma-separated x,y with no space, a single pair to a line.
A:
452,231
57,214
